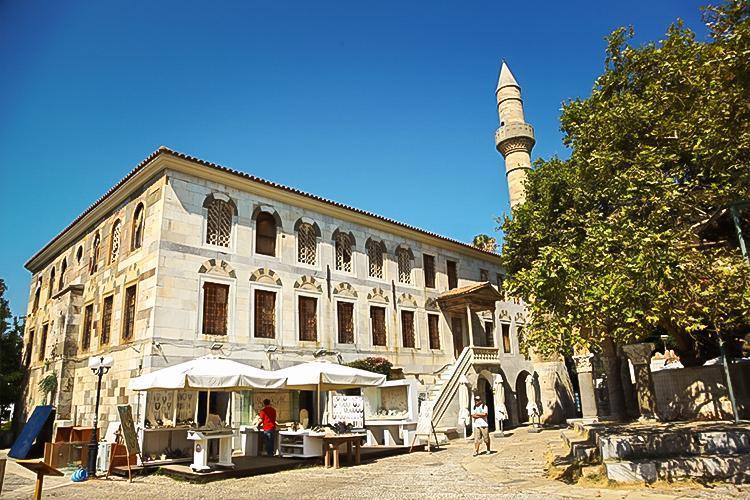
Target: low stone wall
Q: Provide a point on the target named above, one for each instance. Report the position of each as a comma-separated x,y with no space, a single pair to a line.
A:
700,393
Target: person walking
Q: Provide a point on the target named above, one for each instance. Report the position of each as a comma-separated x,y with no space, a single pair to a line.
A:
268,423
480,427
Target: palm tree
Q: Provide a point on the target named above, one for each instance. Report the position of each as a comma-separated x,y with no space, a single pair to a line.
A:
485,242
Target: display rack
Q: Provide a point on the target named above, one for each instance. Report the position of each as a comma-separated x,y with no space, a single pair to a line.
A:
300,444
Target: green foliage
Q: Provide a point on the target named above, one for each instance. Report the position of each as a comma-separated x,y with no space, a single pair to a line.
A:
48,385
605,245
373,364
485,242
11,343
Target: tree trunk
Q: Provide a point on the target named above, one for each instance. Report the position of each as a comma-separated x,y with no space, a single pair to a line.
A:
614,381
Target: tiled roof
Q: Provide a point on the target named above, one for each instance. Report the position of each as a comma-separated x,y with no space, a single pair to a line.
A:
163,150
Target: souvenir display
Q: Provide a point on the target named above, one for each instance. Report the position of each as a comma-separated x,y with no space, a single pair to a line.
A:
348,409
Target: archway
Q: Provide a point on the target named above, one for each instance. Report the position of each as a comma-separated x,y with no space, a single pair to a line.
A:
522,399
484,390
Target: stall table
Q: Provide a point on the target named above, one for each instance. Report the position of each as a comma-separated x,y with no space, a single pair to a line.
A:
200,449
331,446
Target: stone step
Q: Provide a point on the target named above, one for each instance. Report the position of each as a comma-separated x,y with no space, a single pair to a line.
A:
581,450
730,468
665,444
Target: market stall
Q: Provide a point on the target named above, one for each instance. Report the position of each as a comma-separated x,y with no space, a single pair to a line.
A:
189,405
391,412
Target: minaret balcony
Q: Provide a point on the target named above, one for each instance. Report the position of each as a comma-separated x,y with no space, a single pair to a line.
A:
514,135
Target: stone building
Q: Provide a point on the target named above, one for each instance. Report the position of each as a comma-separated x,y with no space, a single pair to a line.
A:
184,258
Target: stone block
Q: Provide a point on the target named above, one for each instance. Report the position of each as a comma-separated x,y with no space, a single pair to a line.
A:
628,472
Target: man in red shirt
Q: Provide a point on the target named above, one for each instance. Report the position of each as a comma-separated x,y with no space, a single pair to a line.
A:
268,422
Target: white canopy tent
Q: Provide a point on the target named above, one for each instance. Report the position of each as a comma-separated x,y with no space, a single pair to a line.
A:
209,373
325,376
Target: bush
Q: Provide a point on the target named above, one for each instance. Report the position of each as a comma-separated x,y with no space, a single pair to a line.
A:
376,365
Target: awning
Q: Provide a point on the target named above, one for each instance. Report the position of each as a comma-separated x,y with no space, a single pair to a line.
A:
209,373
328,376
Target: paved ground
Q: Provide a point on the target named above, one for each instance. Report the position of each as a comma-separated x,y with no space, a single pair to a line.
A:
515,471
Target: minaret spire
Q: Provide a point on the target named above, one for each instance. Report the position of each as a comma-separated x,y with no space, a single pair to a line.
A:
515,138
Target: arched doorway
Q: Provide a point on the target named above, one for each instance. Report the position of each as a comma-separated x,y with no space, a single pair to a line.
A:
484,390
522,398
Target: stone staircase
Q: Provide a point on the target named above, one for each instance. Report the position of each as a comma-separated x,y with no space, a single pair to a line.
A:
640,452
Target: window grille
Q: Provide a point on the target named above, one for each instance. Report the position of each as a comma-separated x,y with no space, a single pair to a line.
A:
489,333
429,271
129,313
343,252
115,247
505,327
433,325
346,322
138,225
308,318
43,343
88,319
106,320
307,243
377,321
404,266
375,258
265,234
452,275
407,328
265,314
219,223
215,308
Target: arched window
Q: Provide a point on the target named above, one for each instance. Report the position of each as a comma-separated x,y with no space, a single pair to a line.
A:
138,224
307,244
404,257
51,281
219,222
375,258
79,254
343,252
114,247
37,294
95,254
63,268
265,234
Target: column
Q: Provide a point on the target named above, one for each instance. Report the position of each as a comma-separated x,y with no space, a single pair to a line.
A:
469,324
640,356
611,366
586,384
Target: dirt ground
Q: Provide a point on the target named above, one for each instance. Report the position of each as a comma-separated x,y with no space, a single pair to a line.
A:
515,470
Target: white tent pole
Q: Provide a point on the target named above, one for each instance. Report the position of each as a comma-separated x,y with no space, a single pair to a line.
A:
320,413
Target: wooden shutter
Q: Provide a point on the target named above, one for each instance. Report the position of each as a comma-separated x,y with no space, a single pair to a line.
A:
106,320
506,337
407,328
265,237
429,271
308,318
346,322
215,308
129,316
452,275
88,318
489,333
433,325
265,314
377,320
43,342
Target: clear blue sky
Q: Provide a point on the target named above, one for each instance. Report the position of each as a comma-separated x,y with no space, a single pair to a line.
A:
388,106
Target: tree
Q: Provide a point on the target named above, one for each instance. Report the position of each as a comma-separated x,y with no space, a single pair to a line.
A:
11,343
485,242
373,364
605,249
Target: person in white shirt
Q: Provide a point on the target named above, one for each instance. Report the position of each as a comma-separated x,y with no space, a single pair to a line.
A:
480,426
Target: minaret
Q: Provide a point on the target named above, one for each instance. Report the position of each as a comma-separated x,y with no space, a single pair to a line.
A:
515,138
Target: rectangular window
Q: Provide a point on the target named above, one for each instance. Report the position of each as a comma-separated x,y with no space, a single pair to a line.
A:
88,319
484,275
407,328
499,282
215,308
128,317
506,337
265,314
433,325
452,275
29,348
377,322
489,333
429,271
345,313
308,318
106,320
43,342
